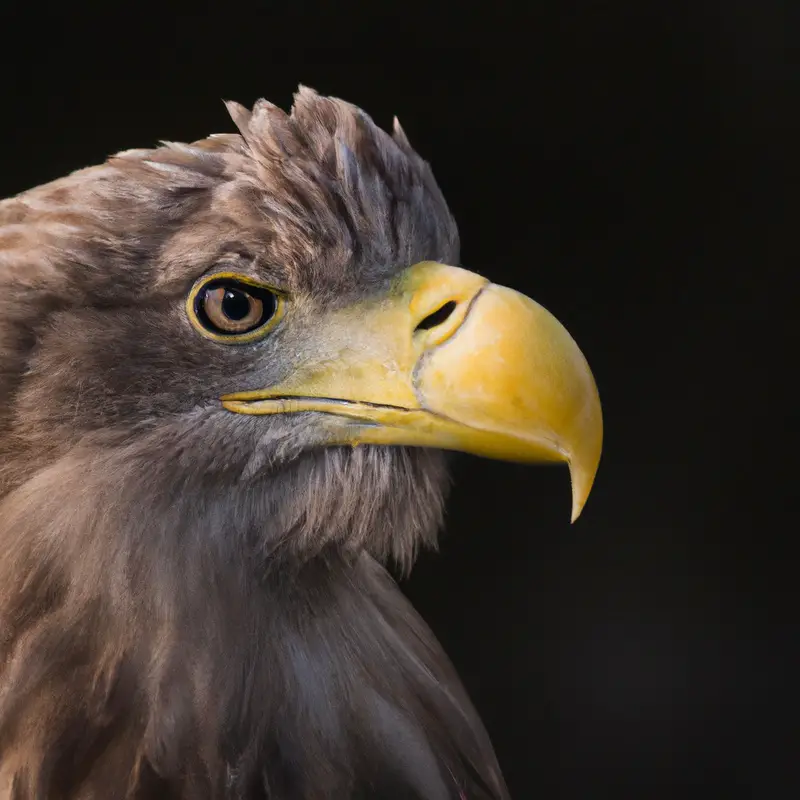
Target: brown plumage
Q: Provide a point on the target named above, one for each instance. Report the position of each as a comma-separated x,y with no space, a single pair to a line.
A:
226,370
191,601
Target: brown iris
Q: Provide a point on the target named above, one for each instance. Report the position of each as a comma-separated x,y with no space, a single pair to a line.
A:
233,309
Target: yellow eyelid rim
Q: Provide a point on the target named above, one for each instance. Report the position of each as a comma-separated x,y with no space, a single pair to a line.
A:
234,338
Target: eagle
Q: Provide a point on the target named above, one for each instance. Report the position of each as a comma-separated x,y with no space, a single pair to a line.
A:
230,374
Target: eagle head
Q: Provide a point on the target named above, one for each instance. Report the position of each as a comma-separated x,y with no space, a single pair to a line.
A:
228,374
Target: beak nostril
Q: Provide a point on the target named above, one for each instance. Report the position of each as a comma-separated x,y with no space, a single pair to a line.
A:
438,317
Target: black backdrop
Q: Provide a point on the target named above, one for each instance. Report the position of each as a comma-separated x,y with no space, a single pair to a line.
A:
627,165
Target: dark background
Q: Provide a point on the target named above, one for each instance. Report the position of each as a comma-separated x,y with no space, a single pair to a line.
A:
629,165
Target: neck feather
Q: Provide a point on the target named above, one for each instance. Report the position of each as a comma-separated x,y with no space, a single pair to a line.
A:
173,641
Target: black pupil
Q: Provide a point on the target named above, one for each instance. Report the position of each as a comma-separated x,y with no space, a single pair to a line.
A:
235,304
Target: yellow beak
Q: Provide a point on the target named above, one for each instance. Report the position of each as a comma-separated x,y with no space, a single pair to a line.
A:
448,360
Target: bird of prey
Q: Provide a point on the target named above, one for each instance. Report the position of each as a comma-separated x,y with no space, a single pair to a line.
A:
229,375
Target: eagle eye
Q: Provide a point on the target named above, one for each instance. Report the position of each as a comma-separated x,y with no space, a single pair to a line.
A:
233,309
